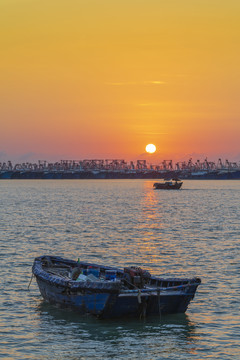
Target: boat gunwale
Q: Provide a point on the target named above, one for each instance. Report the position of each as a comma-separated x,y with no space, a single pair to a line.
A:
106,286
70,284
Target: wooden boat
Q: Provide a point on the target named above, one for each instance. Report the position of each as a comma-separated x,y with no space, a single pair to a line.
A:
108,292
172,184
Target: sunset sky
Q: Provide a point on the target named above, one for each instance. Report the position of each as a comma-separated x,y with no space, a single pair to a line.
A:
103,78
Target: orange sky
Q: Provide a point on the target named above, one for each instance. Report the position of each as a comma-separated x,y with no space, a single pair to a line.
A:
101,79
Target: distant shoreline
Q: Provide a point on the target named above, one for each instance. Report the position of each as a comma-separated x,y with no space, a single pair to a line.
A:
121,169
140,174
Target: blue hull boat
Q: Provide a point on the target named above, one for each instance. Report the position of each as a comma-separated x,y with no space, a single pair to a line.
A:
108,292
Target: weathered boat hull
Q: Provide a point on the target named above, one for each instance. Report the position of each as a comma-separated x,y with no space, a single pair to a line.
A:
105,305
92,302
149,306
109,300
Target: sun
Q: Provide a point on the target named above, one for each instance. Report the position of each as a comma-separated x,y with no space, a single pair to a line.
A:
150,148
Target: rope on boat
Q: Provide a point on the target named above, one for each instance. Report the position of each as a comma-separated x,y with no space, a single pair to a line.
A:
56,273
139,297
149,291
30,282
159,303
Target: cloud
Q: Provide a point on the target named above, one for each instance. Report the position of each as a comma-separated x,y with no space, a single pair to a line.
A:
130,83
153,133
149,104
121,83
155,82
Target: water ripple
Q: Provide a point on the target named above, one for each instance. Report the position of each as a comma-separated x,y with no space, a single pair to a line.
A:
194,231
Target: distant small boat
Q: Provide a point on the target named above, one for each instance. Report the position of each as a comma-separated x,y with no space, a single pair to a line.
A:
172,184
108,292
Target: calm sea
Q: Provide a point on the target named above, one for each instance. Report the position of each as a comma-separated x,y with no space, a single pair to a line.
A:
194,231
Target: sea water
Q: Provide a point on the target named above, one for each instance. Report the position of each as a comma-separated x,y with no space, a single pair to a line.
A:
189,232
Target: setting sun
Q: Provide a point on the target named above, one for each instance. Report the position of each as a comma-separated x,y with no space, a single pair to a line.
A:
150,148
